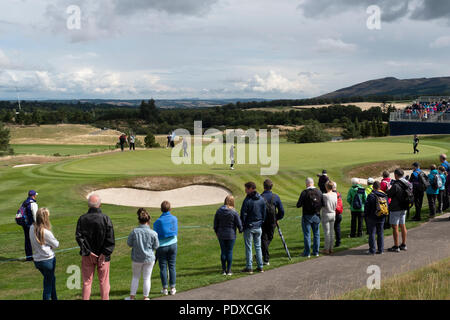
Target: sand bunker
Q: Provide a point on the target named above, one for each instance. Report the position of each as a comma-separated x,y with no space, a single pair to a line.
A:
25,165
194,195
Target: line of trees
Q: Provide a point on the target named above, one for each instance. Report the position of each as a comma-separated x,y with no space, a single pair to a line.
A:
148,118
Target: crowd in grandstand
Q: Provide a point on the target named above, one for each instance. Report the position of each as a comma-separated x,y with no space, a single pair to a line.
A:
424,110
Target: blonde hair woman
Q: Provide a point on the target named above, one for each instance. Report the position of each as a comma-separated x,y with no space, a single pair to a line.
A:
43,242
226,221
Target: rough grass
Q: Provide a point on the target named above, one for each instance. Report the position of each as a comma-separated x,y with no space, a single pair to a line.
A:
62,134
429,283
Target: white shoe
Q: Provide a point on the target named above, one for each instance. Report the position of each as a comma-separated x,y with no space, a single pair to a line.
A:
229,274
173,291
147,298
128,298
165,292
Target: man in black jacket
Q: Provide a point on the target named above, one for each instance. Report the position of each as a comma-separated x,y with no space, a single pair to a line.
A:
253,214
398,208
276,210
323,179
311,201
95,236
375,223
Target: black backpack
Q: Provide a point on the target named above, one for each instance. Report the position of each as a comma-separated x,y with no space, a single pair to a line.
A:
423,180
313,201
407,200
271,213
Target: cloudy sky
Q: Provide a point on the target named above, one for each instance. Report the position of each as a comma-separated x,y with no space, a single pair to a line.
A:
135,49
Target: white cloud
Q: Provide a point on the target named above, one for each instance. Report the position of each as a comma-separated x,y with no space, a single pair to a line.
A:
332,45
276,83
4,60
84,82
441,42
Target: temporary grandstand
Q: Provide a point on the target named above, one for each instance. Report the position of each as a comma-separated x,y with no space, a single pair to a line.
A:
427,115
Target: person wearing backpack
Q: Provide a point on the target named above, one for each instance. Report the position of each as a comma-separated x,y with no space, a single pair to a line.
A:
311,202
443,175
375,210
401,195
356,197
253,214
328,216
444,162
420,182
385,184
274,213
25,217
338,217
433,189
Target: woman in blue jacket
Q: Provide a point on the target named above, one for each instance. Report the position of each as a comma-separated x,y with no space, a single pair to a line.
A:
432,193
226,221
167,229
441,196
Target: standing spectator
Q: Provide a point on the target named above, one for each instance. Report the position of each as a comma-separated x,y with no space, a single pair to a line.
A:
323,179
311,202
30,207
166,226
274,212
122,141
356,197
232,157
417,177
143,242
95,236
416,142
43,242
253,214
132,142
433,190
226,221
329,200
169,138
443,175
385,182
375,221
369,188
445,164
385,186
338,218
398,207
185,146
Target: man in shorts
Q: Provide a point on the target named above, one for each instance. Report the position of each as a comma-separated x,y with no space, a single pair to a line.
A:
398,209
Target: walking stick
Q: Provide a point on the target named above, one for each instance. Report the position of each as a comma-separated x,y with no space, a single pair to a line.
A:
284,242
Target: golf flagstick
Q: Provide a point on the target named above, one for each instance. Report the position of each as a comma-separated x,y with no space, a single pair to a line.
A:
284,242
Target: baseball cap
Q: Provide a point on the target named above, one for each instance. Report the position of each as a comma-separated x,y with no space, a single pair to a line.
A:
415,164
371,181
324,171
32,193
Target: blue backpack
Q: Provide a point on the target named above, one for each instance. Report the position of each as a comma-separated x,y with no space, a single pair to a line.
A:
22,214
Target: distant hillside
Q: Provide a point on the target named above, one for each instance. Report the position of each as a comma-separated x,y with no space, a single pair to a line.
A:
163,103
394,87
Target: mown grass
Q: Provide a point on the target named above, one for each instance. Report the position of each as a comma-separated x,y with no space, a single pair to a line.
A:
428,283
60,186
59,150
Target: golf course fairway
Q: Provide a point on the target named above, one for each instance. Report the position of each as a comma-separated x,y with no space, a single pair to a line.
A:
63,185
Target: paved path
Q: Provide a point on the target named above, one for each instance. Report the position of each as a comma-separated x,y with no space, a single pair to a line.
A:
329,276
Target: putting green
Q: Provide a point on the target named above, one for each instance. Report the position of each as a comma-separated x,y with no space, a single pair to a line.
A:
62,188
